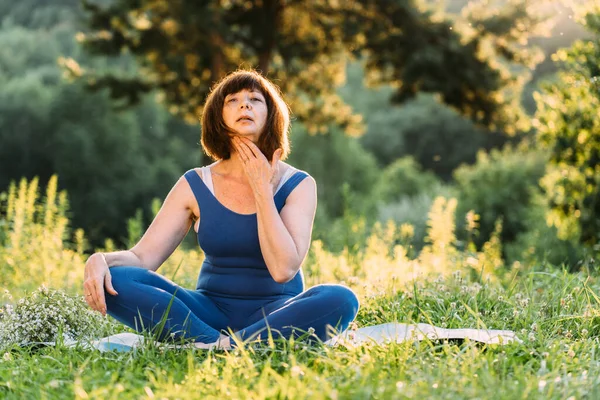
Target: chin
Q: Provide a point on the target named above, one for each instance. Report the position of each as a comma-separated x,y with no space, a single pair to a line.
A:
250,135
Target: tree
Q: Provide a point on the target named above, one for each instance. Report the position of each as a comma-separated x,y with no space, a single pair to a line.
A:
183,46
567,123
111,163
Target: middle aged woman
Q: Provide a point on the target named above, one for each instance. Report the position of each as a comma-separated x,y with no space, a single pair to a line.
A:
253,214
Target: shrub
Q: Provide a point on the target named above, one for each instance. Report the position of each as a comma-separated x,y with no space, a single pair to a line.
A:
403,177
37,245
413,210
346,175
500,186
540,243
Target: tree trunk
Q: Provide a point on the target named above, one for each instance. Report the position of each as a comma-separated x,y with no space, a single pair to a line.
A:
272,10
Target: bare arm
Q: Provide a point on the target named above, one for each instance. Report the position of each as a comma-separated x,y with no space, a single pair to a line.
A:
159,241
285,239
166,232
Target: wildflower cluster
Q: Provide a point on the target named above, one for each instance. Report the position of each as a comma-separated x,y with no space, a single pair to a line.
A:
48,315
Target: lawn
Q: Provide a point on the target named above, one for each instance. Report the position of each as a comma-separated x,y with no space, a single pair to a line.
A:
554,313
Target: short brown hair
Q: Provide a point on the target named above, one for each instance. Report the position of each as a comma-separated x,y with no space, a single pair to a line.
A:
215,139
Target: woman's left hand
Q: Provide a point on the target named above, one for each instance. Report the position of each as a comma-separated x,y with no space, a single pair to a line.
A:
260,172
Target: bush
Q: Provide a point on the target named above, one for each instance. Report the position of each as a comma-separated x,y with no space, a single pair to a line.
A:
334,160
540,243
403,177
413,210
500,186
436,136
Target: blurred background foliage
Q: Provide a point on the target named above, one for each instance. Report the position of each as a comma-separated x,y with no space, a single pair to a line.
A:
494,103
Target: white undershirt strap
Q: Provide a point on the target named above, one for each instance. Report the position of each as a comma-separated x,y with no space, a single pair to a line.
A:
290,171
207,178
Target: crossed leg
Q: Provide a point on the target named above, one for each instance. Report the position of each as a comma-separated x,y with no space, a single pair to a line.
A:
320,308
145,297
149,301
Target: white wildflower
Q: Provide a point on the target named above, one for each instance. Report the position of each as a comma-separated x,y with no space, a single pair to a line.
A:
569,334
48,315
296,371
524,302
541,385
518,296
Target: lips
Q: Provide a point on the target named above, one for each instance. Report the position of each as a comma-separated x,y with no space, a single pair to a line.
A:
245,118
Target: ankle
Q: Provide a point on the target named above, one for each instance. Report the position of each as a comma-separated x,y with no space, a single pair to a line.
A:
223,342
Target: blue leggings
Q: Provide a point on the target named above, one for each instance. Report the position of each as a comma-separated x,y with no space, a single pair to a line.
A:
145,296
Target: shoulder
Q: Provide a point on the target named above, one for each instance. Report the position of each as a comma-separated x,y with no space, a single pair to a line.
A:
305,187
285,168
191,174
181,194
198,171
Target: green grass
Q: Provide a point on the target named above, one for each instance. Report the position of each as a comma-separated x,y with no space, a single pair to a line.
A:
556,314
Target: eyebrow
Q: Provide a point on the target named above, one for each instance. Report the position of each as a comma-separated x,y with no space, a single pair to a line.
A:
251,91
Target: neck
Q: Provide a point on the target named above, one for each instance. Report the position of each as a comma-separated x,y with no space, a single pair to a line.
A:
231,167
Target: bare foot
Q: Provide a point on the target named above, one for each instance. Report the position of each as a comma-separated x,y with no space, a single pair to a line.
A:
223,343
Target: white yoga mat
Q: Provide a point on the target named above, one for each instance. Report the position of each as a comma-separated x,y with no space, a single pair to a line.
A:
396,332
378,334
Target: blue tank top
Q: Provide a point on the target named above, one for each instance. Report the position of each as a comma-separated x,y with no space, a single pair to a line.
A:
233,264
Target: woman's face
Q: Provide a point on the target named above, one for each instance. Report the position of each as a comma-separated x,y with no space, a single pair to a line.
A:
245,113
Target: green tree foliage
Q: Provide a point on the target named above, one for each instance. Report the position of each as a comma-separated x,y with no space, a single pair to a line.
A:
37,14
336,160
435,135
401,178
183,46
500,186
565,32
567,122
466,62
540,243
406,194
440,139
110,162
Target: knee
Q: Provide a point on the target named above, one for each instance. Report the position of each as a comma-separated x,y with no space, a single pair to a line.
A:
344,297
121,277
351,299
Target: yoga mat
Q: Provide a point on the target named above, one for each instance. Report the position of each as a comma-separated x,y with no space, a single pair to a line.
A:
378,334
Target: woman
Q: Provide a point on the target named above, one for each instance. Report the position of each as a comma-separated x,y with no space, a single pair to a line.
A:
253,215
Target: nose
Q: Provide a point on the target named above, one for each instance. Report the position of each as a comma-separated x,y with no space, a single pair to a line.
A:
245,104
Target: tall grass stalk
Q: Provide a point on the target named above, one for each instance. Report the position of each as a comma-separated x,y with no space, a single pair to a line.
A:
555,313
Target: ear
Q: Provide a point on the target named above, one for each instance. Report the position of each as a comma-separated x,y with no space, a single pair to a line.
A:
276,157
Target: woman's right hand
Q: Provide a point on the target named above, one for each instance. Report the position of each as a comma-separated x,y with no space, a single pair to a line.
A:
97,277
